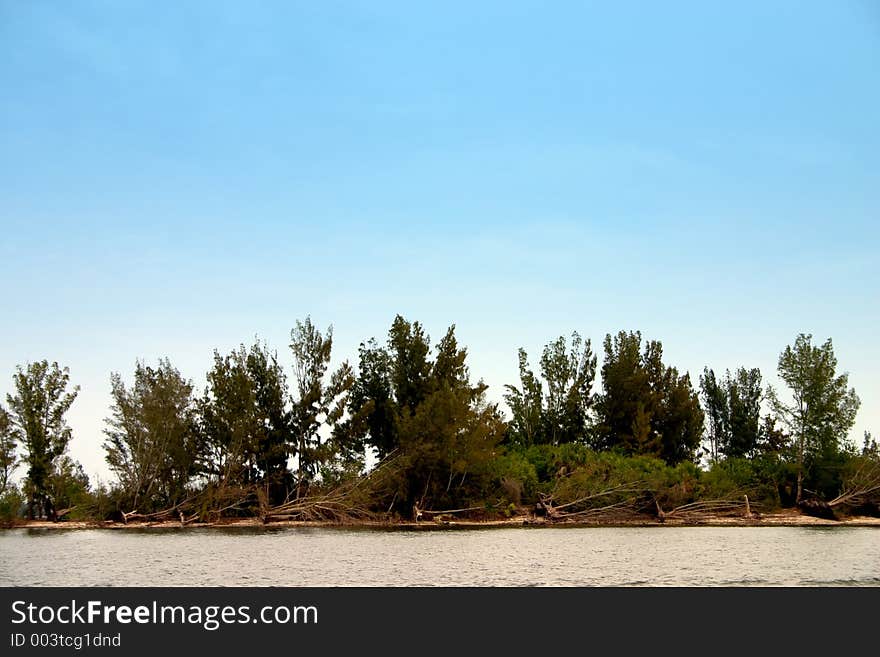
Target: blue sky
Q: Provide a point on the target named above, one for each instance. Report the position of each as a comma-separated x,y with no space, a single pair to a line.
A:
179,179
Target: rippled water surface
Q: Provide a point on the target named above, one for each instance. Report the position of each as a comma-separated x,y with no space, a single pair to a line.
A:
654,556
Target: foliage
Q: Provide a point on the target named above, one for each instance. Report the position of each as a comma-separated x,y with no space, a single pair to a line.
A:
249,446
68,487
321,441
562,414
11,503
444,433
734,477
733,412
152,443
244,421
514,476
372,407
8,459
646,407
822,409
37,411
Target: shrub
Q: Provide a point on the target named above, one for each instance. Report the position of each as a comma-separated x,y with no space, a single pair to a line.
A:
515,476
11,502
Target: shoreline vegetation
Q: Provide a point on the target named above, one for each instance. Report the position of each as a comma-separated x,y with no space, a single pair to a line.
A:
784,518
406,438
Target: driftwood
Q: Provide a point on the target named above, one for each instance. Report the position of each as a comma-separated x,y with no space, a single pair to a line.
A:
437,515
165,514
815,507
591,506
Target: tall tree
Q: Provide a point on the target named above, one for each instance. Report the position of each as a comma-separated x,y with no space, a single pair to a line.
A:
678,419
744,395
320,404
733,412
409,347
8,459
425,410
271,443
568,373
450,434
562,415
526,405
372,405
822,409
37,409
646,407
151,441
627,402
245,422
714,399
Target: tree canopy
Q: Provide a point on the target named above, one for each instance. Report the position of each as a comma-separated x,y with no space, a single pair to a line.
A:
408,432
38,409
822,407
646,407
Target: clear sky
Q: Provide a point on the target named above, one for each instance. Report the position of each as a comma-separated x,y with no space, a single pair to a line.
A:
179,177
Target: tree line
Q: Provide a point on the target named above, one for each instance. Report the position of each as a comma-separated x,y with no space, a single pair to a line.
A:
260,437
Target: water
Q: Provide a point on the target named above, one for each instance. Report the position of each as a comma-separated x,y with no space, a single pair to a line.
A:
652,556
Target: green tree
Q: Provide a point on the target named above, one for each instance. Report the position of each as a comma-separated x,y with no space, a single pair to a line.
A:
321,437
714,399
271,444
646,407
152,442
870,448
822,409
569,374
442,431
627,402
393,380
678,419
409,347
448,445
744,396
450,436
8,460
562,415
245,423
733,412
68,484
37,410
526,405
372,406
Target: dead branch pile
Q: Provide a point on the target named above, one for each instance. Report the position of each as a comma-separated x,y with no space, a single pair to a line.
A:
349,502
616,501
720,507
206,506
632,499
862,487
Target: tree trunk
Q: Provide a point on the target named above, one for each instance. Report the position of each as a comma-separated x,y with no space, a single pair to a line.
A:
817,508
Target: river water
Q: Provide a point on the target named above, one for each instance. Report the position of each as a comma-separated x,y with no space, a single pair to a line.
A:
636,556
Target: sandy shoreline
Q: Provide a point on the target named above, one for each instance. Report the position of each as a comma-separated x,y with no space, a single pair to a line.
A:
779,519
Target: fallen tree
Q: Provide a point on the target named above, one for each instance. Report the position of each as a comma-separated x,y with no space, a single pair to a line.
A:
349,502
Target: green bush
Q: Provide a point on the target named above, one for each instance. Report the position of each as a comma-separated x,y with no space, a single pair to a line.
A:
11,502
551,461
759,478
515,477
